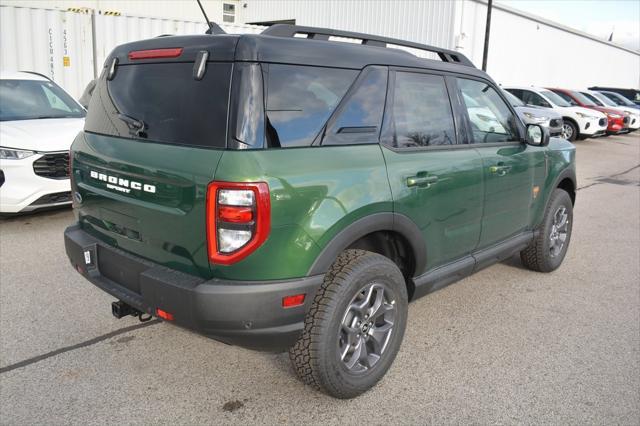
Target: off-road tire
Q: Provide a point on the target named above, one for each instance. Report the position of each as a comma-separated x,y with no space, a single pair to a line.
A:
315,356
537,256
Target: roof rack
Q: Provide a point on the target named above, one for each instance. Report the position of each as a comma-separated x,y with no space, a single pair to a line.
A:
286,30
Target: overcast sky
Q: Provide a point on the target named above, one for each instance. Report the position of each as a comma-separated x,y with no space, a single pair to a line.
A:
597,17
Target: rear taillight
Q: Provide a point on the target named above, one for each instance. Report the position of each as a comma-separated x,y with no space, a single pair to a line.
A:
238,219
173,52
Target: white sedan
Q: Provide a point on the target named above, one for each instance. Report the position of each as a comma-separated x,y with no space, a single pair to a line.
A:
38,122
578,122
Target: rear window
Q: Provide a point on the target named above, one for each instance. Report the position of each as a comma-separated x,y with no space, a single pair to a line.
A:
163,103
300,99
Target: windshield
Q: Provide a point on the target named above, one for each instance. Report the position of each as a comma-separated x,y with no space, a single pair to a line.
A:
34,99
618,99
512,99
554,98
593,99
602,98
583,99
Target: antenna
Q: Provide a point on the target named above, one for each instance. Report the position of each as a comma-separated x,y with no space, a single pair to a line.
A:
205,16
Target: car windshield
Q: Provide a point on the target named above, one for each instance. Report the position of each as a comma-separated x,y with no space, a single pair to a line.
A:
583,99
619,99
602,98
512,99
593,99
35,99
554,98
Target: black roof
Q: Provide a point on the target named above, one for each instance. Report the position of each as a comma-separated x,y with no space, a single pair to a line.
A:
278,45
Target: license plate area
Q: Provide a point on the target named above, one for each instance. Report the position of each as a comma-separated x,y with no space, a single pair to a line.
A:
120,269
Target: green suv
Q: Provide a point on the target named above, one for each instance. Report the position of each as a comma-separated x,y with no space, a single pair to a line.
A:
290,191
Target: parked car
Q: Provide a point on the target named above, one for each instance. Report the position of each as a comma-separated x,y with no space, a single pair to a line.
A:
578,122
291,215
601,100
617,121
618,99
38,122
535,115
633,95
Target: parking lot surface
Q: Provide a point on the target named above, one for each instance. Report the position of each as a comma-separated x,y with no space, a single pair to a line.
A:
504,346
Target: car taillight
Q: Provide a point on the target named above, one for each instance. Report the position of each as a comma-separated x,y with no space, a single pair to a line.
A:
238,219
173,52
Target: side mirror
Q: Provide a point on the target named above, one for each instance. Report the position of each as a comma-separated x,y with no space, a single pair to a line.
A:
537,135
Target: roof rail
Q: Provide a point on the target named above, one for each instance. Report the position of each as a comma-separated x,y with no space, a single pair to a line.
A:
286,30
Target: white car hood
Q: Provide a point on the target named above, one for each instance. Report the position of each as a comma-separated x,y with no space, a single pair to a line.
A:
587,111
51,134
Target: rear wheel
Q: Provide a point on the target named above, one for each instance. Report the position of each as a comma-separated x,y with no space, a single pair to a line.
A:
546,252
355,326
569,131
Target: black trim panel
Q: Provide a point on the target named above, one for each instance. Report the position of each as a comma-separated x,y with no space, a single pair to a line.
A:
244,313
375,222
444,275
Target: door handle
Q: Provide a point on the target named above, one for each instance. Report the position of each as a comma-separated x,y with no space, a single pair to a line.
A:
500,169
422,180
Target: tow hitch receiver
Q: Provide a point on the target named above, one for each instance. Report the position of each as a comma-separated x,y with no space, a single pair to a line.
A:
120,309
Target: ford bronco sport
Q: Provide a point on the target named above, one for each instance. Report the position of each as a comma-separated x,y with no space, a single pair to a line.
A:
287,190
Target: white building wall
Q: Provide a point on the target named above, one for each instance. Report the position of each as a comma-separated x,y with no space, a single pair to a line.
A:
527,50
429,22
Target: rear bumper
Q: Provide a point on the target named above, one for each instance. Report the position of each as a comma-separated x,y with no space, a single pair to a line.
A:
248,314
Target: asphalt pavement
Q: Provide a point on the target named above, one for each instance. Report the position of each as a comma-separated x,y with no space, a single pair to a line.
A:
504,346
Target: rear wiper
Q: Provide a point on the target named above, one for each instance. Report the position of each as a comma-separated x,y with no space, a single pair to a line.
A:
136,127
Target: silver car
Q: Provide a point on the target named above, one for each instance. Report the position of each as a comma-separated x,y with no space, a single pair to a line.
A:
533,115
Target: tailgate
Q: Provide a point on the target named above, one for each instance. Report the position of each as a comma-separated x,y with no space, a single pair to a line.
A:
153,137
145,198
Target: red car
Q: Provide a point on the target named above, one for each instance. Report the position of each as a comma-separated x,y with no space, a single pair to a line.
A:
618,121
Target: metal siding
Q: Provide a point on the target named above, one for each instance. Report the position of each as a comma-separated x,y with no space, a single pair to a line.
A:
38,39
420,21
525,50
112,31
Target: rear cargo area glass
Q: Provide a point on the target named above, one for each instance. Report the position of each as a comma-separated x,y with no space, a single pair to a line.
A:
162,102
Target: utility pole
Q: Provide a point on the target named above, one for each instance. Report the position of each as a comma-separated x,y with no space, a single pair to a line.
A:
487,30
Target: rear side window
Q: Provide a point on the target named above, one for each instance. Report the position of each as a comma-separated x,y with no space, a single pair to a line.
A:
300,99
421,112
163,103
360,117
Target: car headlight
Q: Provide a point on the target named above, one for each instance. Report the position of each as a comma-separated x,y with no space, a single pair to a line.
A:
614,116
14,154
587,116
535,117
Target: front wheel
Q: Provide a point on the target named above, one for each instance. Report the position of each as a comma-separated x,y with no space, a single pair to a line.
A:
355,326
569,131
546,252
